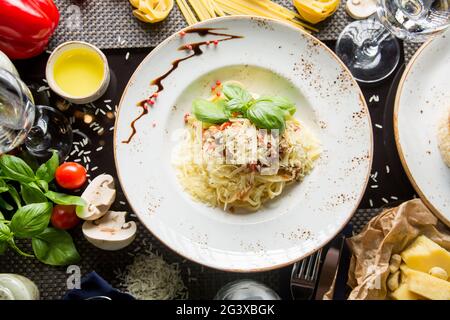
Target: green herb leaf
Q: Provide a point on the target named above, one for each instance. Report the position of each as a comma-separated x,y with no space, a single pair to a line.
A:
14,195
16,169
55,247
46,171
283,103
42,184
263,114
5,205
3,186
5,232
207,111
61,198
31,220
31,194
3,247
238,97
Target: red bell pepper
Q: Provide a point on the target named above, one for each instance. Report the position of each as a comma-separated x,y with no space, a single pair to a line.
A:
26,26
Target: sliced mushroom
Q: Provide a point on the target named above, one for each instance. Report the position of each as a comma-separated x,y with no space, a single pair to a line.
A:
361,9
110,232
99,196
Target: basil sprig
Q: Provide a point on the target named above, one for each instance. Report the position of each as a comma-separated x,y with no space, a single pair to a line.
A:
210,112
34,204
267,112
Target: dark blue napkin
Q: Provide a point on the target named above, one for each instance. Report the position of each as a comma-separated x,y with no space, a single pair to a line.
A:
92,285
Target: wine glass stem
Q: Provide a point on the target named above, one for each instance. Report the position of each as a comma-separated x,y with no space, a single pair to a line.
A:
371,47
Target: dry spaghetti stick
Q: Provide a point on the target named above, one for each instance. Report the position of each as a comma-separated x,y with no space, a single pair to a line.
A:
208,6
198,8
186,11
217,8
236,10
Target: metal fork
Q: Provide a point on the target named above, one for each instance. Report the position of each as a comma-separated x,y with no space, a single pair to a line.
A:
304,276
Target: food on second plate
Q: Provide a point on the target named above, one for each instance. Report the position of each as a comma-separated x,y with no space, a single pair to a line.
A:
99,196
70,175
151,10
110,232
423,273
444,137
241,149
64,217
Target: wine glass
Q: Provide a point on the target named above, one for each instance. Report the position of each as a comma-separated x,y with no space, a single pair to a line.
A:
41,128
369,48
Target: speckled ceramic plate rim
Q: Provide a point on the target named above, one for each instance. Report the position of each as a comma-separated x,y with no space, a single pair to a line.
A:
364,107
405,75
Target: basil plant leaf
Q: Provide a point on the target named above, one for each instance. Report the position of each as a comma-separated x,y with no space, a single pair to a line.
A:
55,247
31,194
3,186
5,205
14,195
283,103
42,184
264,115
3,247
209,112
31,220
16,169
62,198
5,232
46,171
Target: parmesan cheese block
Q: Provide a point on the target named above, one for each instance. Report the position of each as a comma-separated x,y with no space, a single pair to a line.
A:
426,285
403,293
424,254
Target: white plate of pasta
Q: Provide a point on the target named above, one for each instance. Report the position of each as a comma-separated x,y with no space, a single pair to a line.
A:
243,143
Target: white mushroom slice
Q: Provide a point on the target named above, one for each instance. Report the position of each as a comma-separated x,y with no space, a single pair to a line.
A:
99,196
361,9
110,232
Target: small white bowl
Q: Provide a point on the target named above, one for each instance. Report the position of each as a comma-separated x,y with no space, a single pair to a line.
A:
54,86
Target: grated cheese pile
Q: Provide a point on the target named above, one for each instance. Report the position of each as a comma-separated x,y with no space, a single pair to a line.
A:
149,277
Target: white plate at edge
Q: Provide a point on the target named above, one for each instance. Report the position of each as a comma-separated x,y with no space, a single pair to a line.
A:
422,97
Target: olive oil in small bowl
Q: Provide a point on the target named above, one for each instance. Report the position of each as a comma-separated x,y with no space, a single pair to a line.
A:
78,72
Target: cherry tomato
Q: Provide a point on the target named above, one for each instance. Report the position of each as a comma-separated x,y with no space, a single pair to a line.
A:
64,217
70,175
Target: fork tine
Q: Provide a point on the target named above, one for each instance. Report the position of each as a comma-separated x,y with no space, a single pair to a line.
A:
308,269
302,268
316,264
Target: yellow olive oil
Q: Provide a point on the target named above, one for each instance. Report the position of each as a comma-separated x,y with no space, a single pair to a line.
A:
79,72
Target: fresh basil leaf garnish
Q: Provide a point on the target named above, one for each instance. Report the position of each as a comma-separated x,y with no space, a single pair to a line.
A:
209,112
264,115
283,103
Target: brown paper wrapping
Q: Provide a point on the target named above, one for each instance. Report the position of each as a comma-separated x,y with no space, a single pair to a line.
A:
387,234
